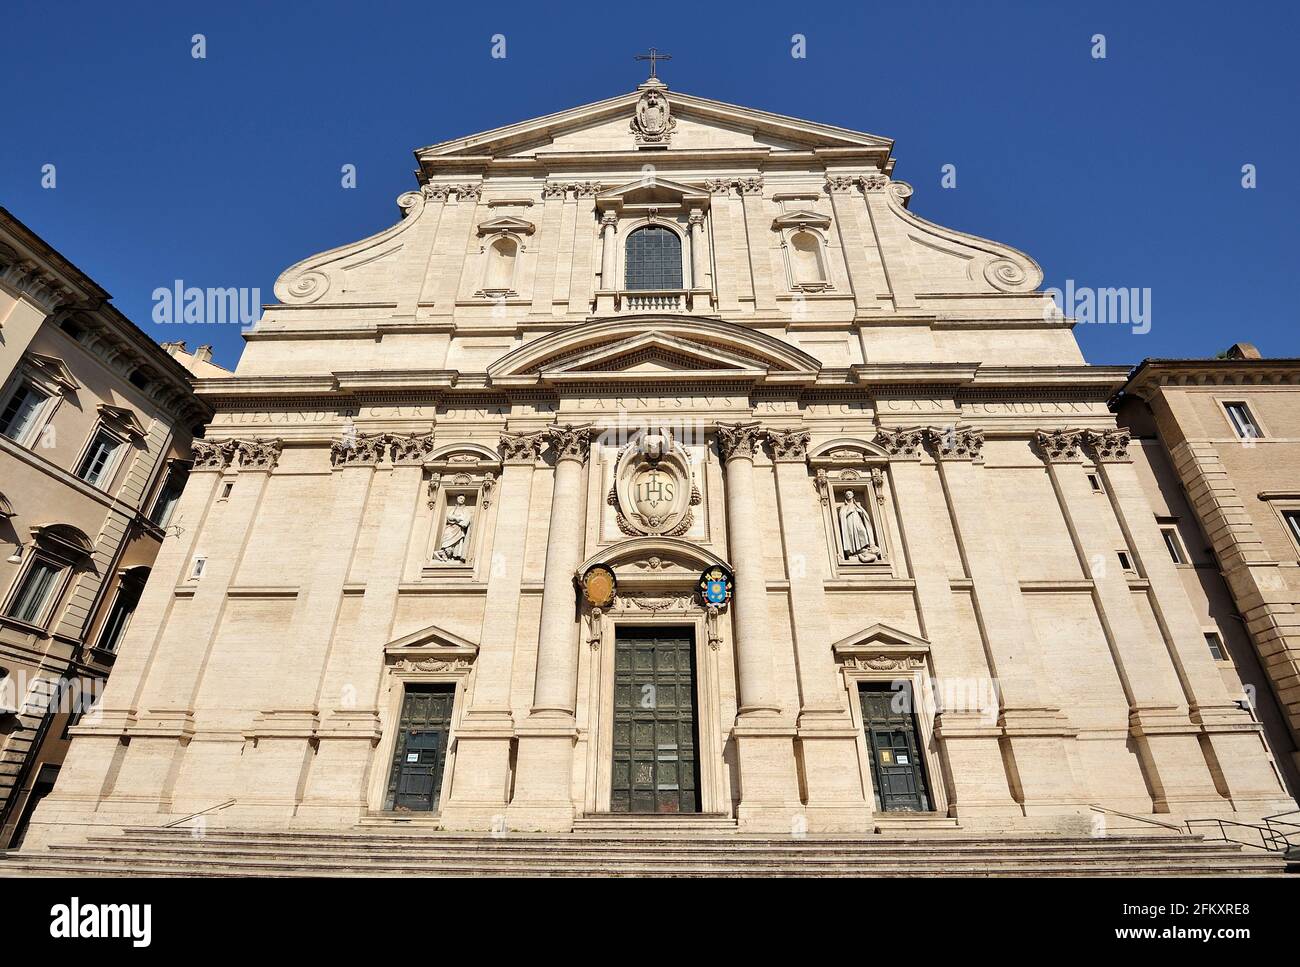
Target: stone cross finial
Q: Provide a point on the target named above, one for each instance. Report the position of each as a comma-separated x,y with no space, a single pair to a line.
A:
652,57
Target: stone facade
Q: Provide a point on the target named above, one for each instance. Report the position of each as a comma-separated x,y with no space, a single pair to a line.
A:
95,424
479,448
1227,489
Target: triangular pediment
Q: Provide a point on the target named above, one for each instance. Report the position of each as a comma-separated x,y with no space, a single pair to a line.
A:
507,223
652,189
880,639
121,419
650,347
802,218
431,642
701,125
657,353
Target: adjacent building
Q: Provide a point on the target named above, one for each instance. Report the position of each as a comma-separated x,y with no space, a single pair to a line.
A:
1219,456
95,429
660,459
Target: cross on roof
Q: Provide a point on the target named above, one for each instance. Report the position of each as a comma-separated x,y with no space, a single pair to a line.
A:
653,56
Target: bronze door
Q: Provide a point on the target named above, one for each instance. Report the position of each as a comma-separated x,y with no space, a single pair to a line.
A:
655,768
420,755
893,742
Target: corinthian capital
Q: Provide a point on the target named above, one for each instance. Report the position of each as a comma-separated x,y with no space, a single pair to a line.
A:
358,449
841,184
956,442
520,447
900,442
212,456
789,445
739,440
1110,446
259,454
411,449
570,442
1060,446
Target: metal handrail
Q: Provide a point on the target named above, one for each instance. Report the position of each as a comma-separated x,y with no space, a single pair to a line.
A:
186,819
1141,819
1270,839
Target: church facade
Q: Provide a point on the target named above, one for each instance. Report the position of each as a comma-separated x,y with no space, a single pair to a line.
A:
660,460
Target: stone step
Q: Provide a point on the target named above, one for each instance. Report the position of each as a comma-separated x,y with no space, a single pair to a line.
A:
803,850
405,837
199,866
369,852
606,822
494,851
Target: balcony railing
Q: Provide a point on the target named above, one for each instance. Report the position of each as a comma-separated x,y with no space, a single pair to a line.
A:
654,300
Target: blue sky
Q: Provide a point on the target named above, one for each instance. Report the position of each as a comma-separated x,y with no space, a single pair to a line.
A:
1116,172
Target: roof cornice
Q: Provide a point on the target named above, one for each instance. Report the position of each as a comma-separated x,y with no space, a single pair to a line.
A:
1152,374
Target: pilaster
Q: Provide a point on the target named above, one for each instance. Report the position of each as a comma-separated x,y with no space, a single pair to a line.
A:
1232,739
769,787
968,739
1158,728
544,771
480,788
826,740
1035,730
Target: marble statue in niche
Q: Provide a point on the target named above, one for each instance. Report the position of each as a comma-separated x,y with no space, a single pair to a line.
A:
454,546
857,536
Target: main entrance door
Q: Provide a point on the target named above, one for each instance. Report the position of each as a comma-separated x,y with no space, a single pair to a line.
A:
421,750
655,767
889,717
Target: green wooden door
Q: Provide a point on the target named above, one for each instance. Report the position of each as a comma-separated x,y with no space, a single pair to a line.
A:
420,756
893,741
655,766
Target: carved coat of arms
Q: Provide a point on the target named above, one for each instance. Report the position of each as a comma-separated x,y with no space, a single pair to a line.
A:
653,123
653,490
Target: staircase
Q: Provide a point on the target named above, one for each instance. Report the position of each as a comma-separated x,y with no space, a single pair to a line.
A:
599,850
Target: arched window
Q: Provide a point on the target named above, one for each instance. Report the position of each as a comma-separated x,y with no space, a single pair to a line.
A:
654,259
806,258
501,264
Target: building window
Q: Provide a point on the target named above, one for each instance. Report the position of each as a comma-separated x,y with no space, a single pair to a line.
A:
1094,481
806,259
654,259
196,569
1174,545
170,494
98,463
1242,422
1292,521
119,616
21,414
1126,562
34,592
502,255
1215,644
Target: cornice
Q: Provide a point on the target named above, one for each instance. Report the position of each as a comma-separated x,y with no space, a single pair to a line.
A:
913,373
1151,375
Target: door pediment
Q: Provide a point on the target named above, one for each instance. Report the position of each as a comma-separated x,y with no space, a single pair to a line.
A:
880,641
429,646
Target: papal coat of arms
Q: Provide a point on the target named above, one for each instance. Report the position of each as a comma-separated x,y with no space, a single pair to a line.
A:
653,490
653,123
